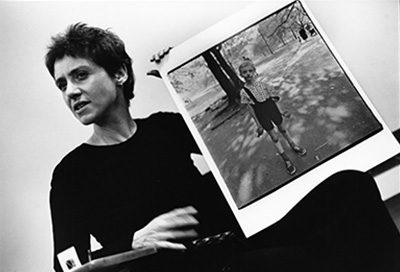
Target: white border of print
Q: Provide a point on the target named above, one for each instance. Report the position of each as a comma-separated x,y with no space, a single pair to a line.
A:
272,207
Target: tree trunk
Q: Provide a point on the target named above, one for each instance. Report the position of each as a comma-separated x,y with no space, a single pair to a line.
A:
281,38
265,41
227,68
221,77
294,34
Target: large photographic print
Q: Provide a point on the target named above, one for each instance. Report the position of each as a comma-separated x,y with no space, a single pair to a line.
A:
302,108
273,108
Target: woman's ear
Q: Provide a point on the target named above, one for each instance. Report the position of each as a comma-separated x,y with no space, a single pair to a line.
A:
121,76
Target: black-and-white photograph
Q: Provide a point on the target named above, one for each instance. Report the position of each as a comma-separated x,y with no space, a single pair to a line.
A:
271,103
200,136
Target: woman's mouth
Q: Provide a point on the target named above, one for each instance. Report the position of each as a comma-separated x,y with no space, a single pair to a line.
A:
78,107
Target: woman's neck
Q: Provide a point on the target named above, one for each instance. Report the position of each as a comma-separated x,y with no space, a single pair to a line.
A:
114,130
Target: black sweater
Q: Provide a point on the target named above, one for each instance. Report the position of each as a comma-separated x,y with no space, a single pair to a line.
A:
112,191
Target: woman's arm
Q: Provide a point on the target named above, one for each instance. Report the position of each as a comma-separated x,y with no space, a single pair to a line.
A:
68,228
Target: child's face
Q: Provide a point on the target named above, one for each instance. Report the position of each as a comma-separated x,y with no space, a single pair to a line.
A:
247,72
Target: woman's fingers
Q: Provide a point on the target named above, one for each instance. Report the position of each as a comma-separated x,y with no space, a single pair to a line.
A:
178,218
166,51
157,59
154,73
188,210
175,235
166,239
169,245
168,229
158,56
159,244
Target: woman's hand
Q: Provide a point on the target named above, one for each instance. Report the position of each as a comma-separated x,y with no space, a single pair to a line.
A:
165,230
160,55
157,59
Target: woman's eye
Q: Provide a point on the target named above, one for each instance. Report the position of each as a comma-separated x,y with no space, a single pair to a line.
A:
81,75
62,86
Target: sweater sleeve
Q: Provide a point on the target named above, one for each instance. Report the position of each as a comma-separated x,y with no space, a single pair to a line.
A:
69,229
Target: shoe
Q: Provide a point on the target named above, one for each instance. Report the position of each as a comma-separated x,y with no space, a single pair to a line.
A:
301,151
290,167
260,131
286,114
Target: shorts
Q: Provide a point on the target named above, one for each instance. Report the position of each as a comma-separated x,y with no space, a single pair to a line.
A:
268,114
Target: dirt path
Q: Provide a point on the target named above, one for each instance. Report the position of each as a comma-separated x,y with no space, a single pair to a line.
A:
327,116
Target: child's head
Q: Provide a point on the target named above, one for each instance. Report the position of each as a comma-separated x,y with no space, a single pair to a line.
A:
247,70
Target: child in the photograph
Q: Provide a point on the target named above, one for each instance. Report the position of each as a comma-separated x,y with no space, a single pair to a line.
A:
261,104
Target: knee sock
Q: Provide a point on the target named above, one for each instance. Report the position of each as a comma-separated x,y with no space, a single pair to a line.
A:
280,150
279,147
288,138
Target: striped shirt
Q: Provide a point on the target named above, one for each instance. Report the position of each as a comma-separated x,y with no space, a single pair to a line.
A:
259,90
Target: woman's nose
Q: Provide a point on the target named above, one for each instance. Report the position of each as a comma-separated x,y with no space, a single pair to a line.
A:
72,90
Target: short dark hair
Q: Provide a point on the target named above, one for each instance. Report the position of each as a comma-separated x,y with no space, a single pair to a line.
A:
101,46
246,63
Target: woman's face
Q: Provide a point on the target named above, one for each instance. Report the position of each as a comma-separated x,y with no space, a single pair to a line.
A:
89,92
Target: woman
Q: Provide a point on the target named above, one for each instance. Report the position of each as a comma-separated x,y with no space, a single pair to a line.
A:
133,184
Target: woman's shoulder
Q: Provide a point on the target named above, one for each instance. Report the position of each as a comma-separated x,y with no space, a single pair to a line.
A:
76,154
162,121
163,116
69,165
168,129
